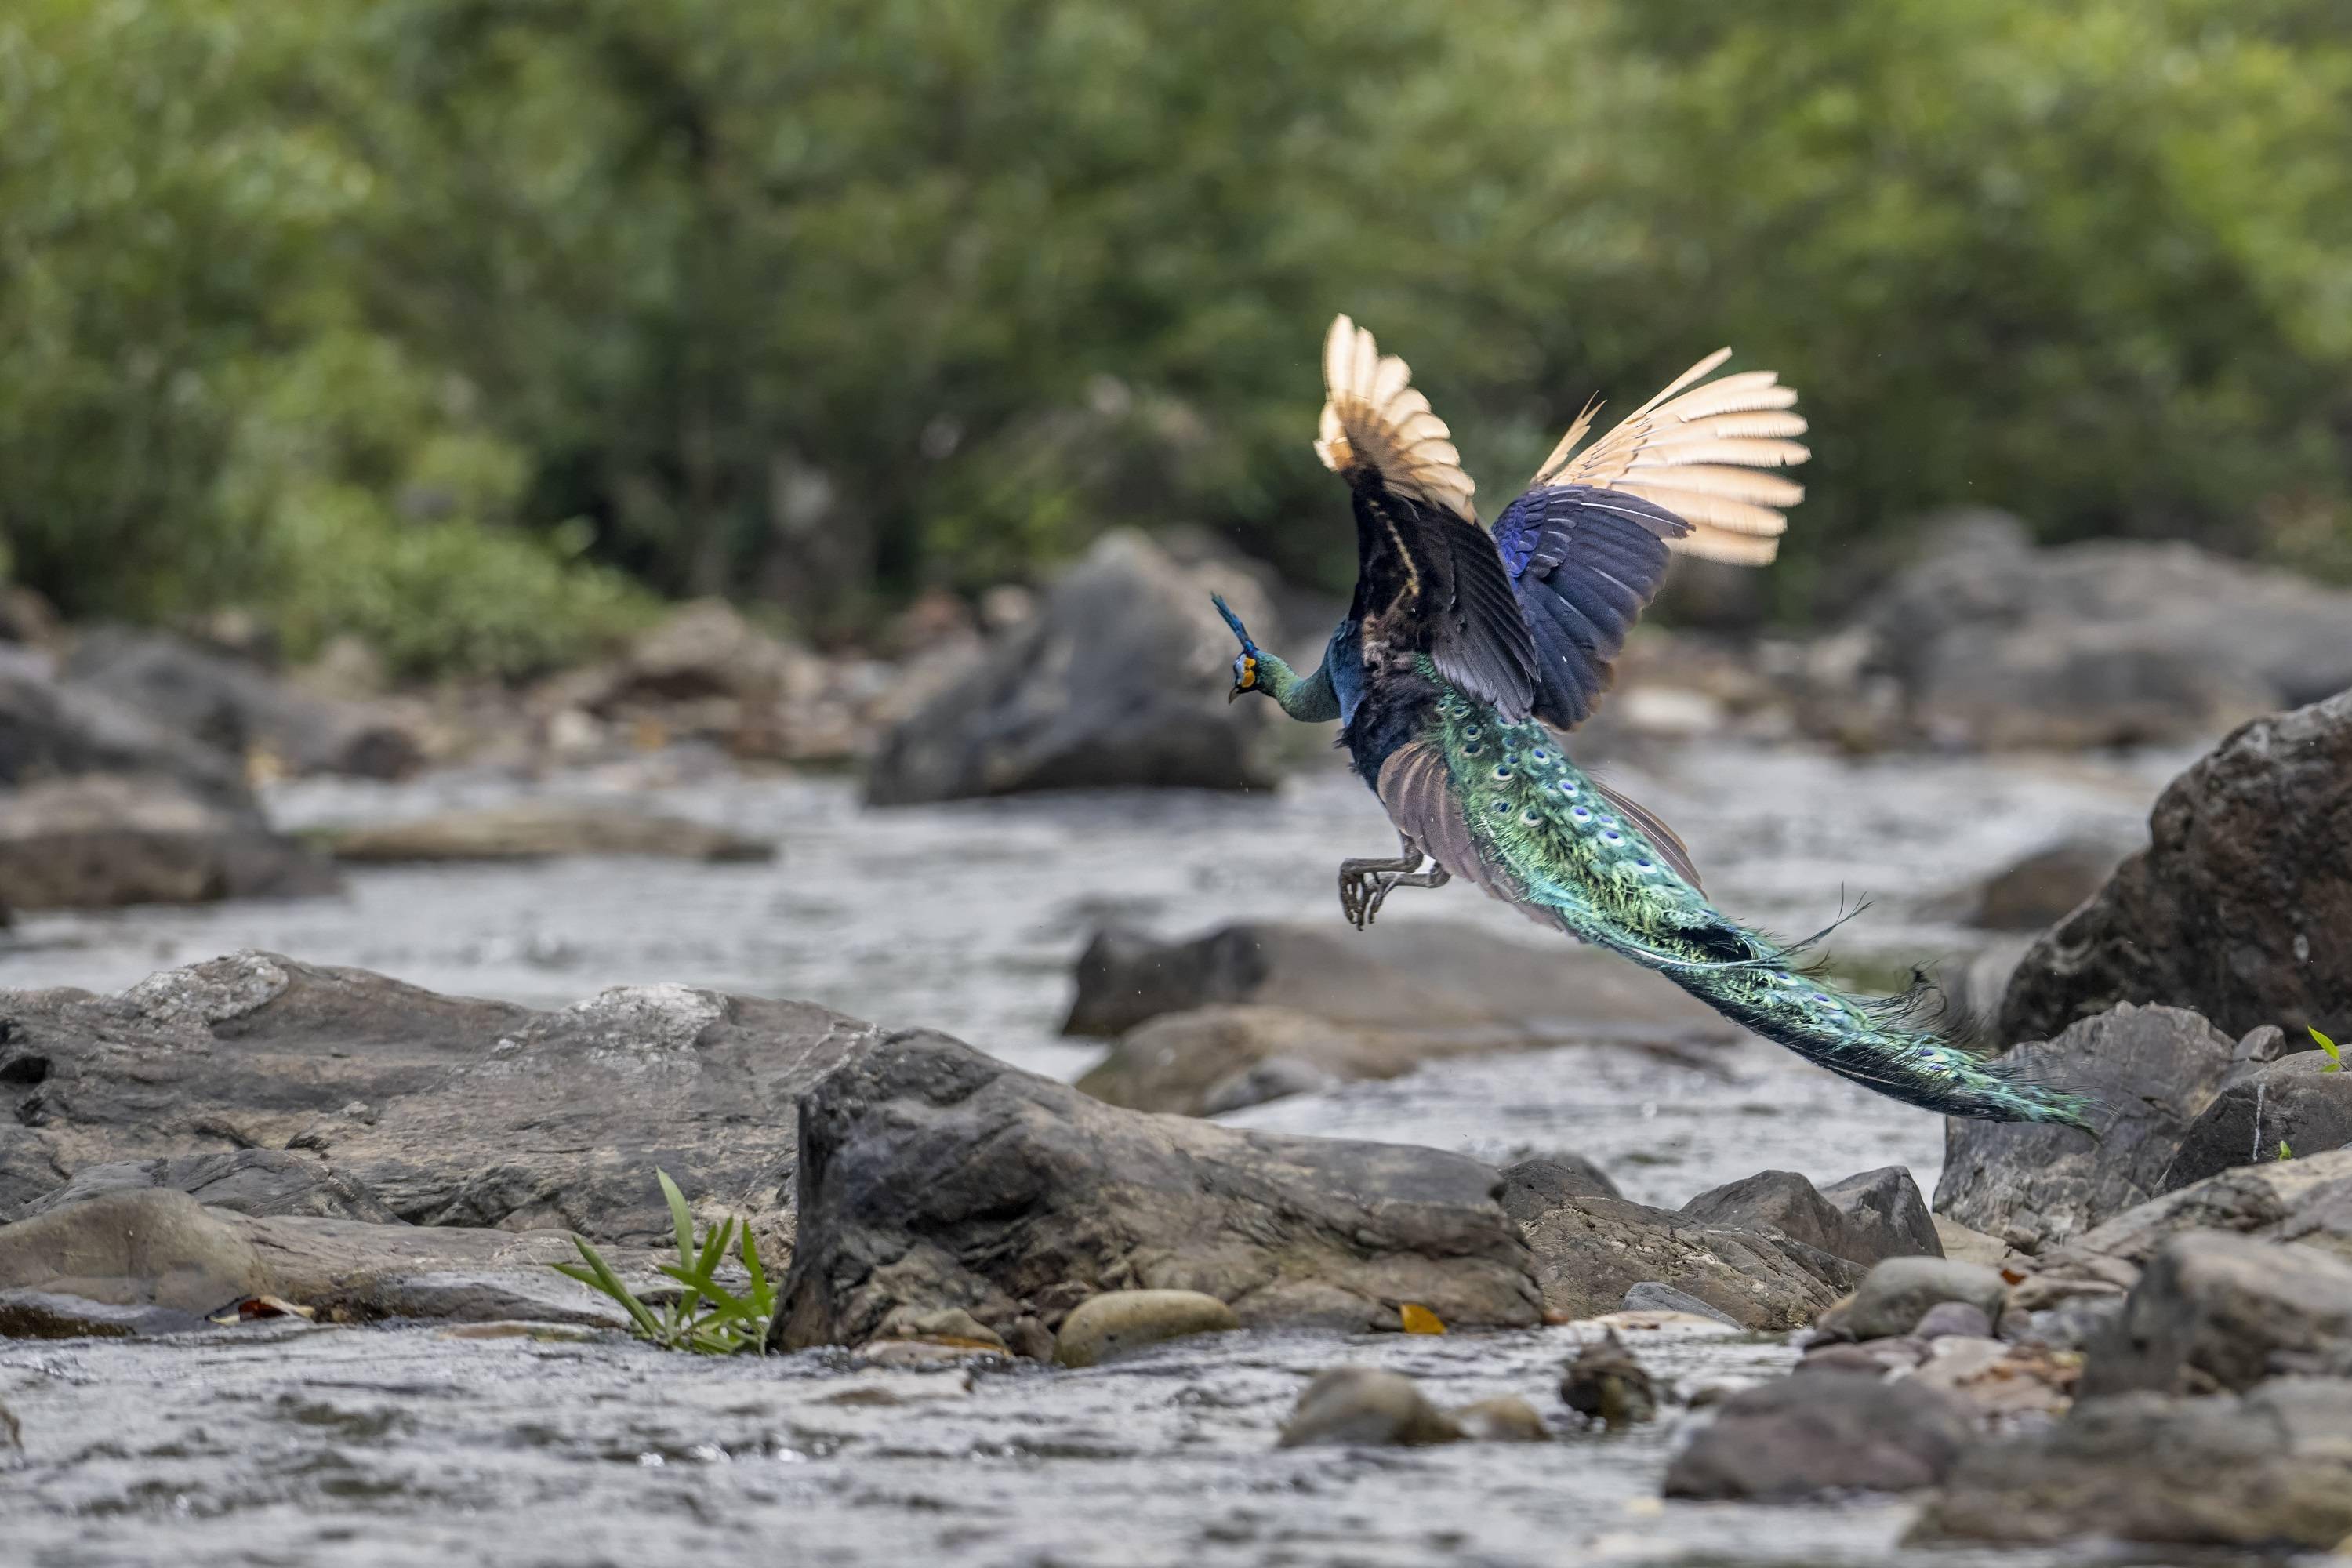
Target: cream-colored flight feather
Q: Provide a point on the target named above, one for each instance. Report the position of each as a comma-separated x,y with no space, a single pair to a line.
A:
1372,417
1696,448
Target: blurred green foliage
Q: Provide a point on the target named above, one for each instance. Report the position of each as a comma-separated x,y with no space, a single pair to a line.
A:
466,323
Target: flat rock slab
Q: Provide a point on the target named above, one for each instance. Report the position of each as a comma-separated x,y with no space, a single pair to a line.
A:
1590,1251
2153,1071
2268,1470
935,1176
539,830
447,1111
1401,976
139,1261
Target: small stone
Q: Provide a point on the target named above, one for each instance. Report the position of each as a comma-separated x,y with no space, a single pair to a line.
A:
1649,1296
1897,1293
1834,1431
1878,1357
1363,1406
1507,1419
1947,1318
1121,1320
949,1325
1605,1383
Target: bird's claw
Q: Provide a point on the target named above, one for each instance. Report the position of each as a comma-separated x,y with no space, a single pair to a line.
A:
1361,894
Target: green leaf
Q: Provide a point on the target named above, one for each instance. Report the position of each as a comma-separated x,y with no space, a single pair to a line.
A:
2334,1052
2284,1153
682,1218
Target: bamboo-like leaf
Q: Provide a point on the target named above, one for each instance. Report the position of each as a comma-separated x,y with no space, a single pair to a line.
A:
609,1283
682,1218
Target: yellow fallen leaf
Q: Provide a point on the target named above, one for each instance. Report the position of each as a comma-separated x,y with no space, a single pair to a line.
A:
1416,1320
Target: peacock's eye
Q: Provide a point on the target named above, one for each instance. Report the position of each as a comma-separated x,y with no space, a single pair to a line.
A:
1502,773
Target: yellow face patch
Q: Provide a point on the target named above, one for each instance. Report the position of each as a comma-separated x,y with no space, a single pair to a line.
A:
1248,677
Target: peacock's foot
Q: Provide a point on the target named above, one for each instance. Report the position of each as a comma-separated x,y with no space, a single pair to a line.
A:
1365,884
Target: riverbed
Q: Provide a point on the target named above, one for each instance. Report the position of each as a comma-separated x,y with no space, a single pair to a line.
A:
318,1445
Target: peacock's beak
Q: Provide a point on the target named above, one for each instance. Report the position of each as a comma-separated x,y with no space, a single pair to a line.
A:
1236,693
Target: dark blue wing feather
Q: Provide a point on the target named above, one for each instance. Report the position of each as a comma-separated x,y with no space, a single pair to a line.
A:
1584,563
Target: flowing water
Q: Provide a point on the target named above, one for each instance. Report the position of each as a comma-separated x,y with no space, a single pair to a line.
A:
398,1446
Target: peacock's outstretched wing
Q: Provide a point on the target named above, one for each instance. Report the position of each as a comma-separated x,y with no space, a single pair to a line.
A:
1587,545
1429,579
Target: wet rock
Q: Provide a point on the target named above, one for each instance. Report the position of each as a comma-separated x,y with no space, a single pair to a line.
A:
2216,1312
949,1325
1606,1382
451,1111
1399,977
540,829
239,707
1533,1186
12,1440
1896,1294
45,1315
2269,1468
2046,886
1119,680
2240,908
102,841
1947,1320
1830,1431
1360,1406
1590,1251
934,1175
2298,1102
1117,1321
1994,643
1221,1058
1505,1419
2304,1199
154,1248
1882,1214
1649,1296
1886,1216
2152,1070
246,1181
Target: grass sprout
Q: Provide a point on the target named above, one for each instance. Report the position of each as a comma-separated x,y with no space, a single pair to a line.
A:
707,1318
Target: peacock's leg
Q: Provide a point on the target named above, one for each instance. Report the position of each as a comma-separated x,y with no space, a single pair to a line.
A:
1360,889
1435,877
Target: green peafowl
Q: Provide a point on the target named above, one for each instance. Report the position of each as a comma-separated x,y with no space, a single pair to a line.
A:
1465,653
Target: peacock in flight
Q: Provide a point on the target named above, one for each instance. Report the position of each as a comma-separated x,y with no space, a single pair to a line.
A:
1465,653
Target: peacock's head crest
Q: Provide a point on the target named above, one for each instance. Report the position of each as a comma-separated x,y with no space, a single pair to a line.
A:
1245,663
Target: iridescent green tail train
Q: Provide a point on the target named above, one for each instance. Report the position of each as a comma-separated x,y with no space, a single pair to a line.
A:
1572,853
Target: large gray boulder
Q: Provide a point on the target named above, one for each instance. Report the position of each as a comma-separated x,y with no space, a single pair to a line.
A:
447,1111
932,1176
2240,908
1995,642
1590,1251
237,707
1120,679
2302,1104
2216,1312
2270,1468
2153,1071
